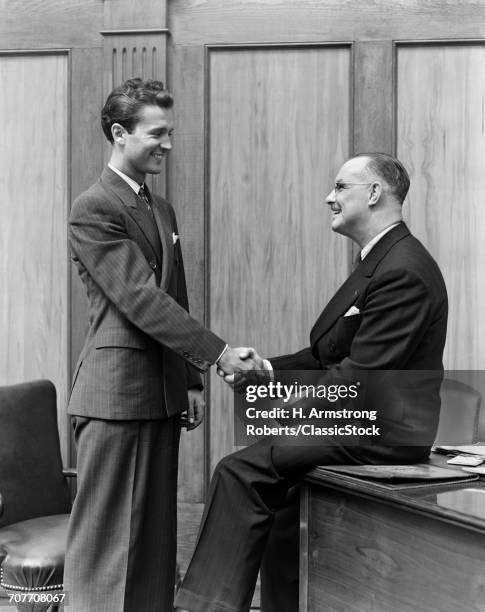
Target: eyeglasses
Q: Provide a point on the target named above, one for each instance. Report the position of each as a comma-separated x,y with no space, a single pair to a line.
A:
338,187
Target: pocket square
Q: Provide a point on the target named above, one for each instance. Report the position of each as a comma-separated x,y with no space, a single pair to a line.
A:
353,310
175,238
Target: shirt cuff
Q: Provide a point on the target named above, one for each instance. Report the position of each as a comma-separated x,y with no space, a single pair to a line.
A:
267,366
223,351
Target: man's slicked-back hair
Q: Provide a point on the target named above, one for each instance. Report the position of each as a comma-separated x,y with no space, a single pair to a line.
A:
125,102
391,170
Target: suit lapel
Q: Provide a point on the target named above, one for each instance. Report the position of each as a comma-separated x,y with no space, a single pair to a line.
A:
165,229
356,283
122,191
381,249
339,304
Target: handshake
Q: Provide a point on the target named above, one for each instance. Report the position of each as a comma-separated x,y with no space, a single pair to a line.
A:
237,366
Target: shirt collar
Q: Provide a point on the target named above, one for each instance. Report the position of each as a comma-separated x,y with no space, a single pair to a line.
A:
372,243
133,184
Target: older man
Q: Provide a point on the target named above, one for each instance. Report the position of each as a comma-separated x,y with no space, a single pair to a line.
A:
390,314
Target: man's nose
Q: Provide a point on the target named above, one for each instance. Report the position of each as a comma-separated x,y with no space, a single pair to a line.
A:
166,142
330,199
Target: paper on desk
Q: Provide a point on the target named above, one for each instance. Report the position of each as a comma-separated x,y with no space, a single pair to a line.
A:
391,473
475,470
469,449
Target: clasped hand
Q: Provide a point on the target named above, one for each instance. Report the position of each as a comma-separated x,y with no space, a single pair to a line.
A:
238,365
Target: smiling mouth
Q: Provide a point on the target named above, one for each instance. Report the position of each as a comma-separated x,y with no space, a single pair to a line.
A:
158,155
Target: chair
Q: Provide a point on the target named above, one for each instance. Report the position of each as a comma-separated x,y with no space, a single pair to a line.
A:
34,495
459,415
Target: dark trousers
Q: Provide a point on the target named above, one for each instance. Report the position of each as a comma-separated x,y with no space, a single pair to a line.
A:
251,521
121,545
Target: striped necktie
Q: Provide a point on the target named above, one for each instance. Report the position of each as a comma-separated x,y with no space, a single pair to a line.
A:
144,206
144,196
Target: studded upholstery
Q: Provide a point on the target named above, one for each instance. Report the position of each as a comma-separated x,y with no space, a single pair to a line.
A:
34,492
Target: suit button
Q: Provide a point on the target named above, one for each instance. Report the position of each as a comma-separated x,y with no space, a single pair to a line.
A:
333,347
153,264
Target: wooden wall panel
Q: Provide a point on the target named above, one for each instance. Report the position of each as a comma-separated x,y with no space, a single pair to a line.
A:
50,24
196,22
373,96
277,135
441,139
33,241
186,181
136,54
86,162
129,14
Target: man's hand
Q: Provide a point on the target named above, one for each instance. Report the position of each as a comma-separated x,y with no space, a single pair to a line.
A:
241,359
239,378
194,415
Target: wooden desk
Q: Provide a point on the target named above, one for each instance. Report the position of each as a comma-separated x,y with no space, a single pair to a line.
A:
364,549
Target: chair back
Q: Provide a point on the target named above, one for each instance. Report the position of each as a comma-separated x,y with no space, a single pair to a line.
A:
31,479
459,415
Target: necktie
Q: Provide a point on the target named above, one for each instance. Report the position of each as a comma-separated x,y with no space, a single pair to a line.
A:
357,260
145,208
144,196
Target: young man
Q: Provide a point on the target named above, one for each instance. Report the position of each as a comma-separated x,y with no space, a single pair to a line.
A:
389,317
138,369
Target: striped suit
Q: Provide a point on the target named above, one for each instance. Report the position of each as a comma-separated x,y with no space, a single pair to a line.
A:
142,352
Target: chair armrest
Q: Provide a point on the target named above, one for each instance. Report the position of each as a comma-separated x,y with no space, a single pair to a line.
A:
1,505
70,472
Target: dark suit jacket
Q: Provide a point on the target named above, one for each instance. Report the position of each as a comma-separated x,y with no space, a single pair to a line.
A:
142,349
401,297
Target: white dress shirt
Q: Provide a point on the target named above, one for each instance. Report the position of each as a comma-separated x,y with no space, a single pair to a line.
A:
133,184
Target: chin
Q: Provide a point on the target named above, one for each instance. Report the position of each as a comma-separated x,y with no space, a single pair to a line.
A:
156,170
340,229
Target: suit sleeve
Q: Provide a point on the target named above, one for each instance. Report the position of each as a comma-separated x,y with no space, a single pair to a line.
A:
302,360
114,261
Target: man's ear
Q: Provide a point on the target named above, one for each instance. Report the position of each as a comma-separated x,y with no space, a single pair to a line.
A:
375,193
119,133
